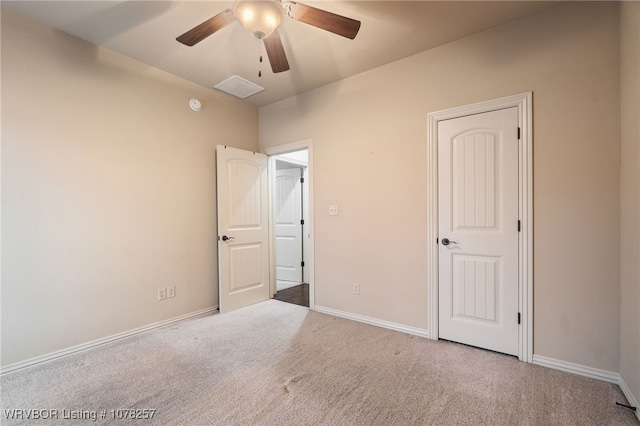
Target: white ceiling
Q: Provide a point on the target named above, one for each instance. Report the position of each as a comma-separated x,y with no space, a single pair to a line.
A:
391,30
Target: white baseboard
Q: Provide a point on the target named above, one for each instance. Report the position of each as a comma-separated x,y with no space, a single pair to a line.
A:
630,398
99,342
373,321
594,373
582,370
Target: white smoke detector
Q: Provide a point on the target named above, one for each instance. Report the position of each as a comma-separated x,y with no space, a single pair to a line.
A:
195,104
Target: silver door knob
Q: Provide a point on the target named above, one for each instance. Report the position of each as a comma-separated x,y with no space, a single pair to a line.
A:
446,242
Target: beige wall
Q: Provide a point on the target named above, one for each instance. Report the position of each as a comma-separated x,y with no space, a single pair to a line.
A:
108,182
370,157
108,190
630,195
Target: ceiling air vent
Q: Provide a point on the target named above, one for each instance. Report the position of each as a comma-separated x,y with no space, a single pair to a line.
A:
239,87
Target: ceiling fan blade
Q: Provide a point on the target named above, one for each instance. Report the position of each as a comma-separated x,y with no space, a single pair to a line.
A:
208,27
328,21
275,52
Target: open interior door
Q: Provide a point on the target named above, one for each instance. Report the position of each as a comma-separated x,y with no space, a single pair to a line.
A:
288,218
243,230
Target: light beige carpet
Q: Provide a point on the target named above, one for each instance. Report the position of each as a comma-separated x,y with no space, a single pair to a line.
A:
281,364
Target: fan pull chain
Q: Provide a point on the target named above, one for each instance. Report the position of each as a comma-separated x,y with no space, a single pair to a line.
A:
260,58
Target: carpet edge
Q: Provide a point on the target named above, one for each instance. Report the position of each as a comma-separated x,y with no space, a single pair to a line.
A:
581,370
99,342
630,397
373,321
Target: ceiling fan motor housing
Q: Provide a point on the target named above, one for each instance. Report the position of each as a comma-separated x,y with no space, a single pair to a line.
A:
260,18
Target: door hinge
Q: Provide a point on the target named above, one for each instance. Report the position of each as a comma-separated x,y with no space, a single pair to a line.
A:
302,263
301,221
519,225
301,180
518,317
518,133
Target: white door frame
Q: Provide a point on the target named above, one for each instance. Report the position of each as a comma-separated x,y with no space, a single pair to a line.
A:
283,149
523,102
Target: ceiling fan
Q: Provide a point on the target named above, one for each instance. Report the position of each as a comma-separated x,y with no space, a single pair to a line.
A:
262,18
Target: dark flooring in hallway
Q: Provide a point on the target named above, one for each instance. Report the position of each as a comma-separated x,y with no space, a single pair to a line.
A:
298,295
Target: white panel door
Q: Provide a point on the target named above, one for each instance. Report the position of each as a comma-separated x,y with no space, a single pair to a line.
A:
478,230
288,209
243,231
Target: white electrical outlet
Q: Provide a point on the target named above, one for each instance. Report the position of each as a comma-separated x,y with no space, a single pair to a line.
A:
356,288
333,210
162,294
171,291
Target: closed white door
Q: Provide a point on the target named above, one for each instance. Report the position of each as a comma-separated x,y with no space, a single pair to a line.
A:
243,230
478,230
288,209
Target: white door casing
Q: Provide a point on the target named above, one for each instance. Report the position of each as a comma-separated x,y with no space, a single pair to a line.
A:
478,228
243,230
523,104
306,233
288,217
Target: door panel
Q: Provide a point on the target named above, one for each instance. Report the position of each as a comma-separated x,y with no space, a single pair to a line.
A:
478,213
475,173
288,225
243,261
244,194
475,281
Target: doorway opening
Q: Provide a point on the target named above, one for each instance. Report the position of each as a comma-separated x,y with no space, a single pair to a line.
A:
291,218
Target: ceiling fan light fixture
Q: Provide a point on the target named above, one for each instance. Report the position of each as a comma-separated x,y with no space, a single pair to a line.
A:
260,17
